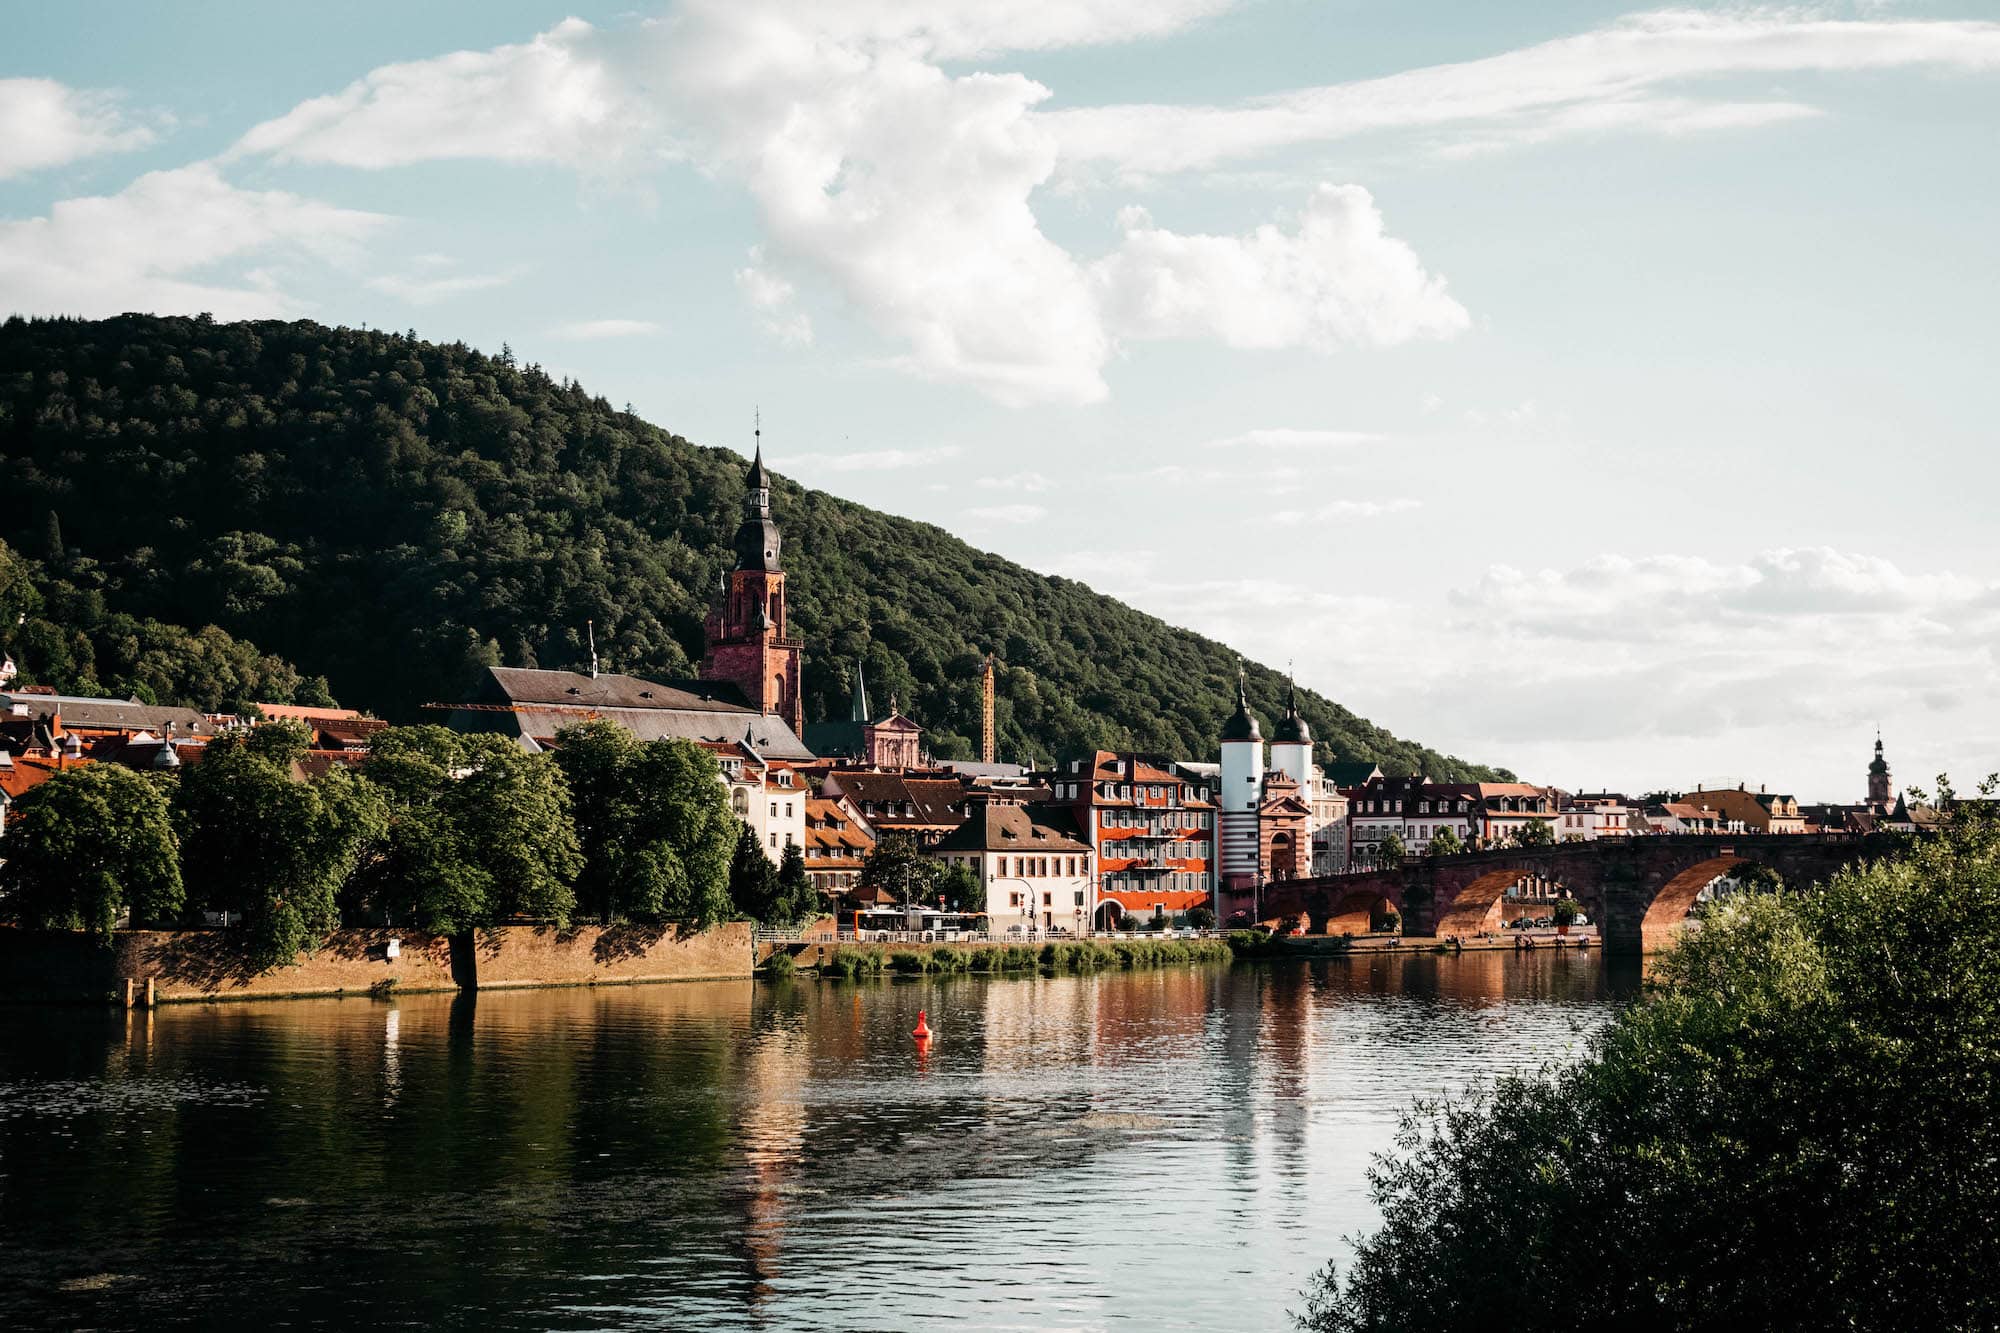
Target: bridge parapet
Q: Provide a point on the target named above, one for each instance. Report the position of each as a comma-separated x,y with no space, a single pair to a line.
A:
1639,889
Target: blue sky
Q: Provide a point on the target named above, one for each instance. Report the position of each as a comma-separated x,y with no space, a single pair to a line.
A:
1603,391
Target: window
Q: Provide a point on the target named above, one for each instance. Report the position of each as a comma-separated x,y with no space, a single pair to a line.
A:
1048,900
774,809
1079,897
774,840
1013,900
788,809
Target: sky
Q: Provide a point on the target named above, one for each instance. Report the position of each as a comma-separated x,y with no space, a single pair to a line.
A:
1604,392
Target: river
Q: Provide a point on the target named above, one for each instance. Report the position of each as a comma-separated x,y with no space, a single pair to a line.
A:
1170,1149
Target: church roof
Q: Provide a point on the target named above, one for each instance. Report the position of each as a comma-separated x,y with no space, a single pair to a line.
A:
525,702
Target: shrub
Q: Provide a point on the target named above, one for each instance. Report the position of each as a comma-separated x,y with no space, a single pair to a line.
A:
780,965
1794,1129
909,960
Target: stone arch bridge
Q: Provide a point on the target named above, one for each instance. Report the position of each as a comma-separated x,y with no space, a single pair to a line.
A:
1639,890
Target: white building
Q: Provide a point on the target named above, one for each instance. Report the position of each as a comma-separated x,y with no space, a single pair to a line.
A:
767,796
1035,877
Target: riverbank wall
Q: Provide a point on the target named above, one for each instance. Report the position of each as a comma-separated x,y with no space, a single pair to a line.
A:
204,965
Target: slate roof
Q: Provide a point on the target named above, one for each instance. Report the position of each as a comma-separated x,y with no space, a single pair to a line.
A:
705,711
82,713
997,827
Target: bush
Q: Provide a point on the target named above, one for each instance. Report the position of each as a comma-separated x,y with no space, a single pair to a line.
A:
1794,1129
1201,918
909,960
780,966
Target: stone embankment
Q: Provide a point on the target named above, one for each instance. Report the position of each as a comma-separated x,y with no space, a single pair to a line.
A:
173,966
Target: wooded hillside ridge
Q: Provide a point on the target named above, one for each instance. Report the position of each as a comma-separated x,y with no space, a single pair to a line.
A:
392,515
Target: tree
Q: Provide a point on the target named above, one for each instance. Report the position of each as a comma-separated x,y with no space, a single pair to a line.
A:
654,820
88,844
1793,1129
257,840
960,889
753,880
797,899
897,865
1445,842
1201,917
478,831
1567,910
392,513
1391,852
1533,833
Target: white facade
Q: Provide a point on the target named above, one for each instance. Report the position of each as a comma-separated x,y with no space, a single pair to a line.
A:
1236,816
772,801
1037,891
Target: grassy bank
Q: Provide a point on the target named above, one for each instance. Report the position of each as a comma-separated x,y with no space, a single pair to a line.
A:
848,962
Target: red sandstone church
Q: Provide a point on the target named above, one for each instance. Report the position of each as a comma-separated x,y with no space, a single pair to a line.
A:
749,692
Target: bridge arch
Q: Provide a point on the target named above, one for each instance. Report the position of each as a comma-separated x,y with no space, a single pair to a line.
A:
1470,910
1676,897
1356,911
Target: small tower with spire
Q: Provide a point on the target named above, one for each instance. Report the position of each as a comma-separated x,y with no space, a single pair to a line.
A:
1292,741
1881,790
1242,792
747,642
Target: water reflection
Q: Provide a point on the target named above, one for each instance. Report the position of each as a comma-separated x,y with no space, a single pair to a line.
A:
1170,1149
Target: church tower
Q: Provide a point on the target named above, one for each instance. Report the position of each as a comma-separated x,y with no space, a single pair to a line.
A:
1880,793
745,631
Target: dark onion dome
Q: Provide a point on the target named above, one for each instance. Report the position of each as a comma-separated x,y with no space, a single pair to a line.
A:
757,540
1880,765
757,544
1292,727
1241,726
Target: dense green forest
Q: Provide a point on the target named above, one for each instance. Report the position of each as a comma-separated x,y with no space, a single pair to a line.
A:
392,514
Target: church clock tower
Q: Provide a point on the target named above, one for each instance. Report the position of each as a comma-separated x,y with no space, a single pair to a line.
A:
745,631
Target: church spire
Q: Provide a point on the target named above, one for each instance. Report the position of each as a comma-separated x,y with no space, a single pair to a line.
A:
858,711
1292,727
1242,724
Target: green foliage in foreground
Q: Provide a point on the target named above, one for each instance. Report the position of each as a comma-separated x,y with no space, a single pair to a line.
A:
654,825
478,831
397,513
87,845
275,850
1797,1128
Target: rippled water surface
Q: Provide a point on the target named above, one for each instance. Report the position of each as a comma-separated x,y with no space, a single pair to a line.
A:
1152,1150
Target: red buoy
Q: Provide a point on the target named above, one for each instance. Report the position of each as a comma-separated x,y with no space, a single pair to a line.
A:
922,1031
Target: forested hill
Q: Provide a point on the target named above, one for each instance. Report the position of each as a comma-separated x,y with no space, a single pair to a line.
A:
393,514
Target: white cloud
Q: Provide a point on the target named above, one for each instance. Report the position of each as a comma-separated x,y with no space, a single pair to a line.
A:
900,187
1615,77
429,291
148,247
773,298
1337,281
552,99
875,460
1014,513
1288,437
585,330
1031,482
1633,671
46,124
